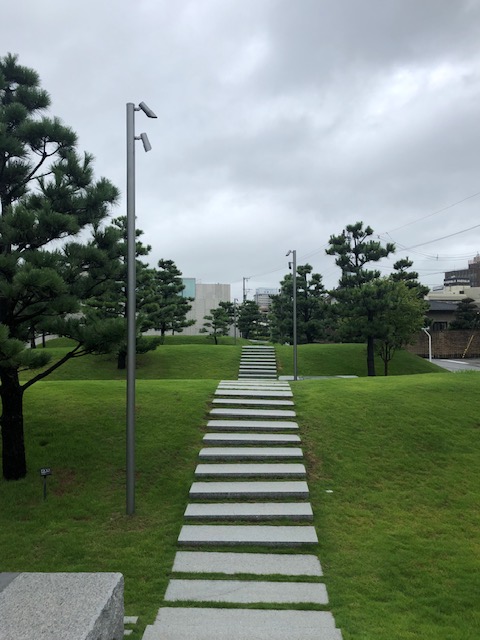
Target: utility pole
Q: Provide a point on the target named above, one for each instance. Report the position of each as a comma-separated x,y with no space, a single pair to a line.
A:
245,280
294,281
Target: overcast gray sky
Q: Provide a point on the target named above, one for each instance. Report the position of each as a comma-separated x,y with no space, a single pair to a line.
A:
279,122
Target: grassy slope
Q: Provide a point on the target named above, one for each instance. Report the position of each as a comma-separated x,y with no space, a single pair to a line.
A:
78,428
400,534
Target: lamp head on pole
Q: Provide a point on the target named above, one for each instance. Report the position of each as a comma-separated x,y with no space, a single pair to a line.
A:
145,141
146,110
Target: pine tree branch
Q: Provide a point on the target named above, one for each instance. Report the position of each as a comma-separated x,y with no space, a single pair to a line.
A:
71,354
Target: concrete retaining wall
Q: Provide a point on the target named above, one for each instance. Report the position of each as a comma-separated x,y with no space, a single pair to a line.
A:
447,344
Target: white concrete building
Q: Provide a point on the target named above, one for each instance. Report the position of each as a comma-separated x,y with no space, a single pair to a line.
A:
205,297
262,298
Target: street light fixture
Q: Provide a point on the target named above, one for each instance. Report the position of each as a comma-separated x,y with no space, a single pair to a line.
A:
131,293
294,272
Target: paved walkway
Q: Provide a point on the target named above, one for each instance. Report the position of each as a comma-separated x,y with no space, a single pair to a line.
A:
471,364
249,491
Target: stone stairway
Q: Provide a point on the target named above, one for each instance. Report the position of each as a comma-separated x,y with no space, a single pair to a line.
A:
249,490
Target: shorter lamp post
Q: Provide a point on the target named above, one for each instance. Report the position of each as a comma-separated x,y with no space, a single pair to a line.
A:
429,343
235,301
294,282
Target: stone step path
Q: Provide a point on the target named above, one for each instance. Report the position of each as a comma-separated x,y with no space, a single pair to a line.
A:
249,491
269,470
249,425
249,402
254,393
253,413
262,564
245,591
246,511
250,453
250,438
183,623
257,535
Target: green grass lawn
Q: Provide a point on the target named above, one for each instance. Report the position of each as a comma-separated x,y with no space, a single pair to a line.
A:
78,429
346,359
399,534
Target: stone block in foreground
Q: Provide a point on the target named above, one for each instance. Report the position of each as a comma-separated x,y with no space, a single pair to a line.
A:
62,606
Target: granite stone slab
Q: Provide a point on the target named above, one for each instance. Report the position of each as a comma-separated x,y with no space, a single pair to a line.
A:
248,490
242,470
254,413
250,438
253,402
248,425
250,511
179,623
246,591
251,453
269,535
261,371
247,563
259,355
278,383
62,606
253,393
6,579
256,364
249,384
255,383
256,375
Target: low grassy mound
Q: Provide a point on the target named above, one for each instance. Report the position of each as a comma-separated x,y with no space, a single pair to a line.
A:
200,359
346,359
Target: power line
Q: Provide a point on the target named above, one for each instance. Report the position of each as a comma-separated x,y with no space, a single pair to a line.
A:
450,235
450,206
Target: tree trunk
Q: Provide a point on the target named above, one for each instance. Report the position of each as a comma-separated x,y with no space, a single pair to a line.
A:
122,359
385,367
371,356
13,452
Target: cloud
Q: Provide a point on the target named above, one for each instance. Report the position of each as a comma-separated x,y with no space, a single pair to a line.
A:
278,123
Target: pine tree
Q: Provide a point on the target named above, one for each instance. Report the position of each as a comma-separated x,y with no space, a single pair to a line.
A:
249,319
312,308
467,315
354,249
217,323
112,303
48,195
410,278
170,313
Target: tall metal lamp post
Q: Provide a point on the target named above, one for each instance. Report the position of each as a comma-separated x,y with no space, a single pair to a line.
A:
293,265
131,293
